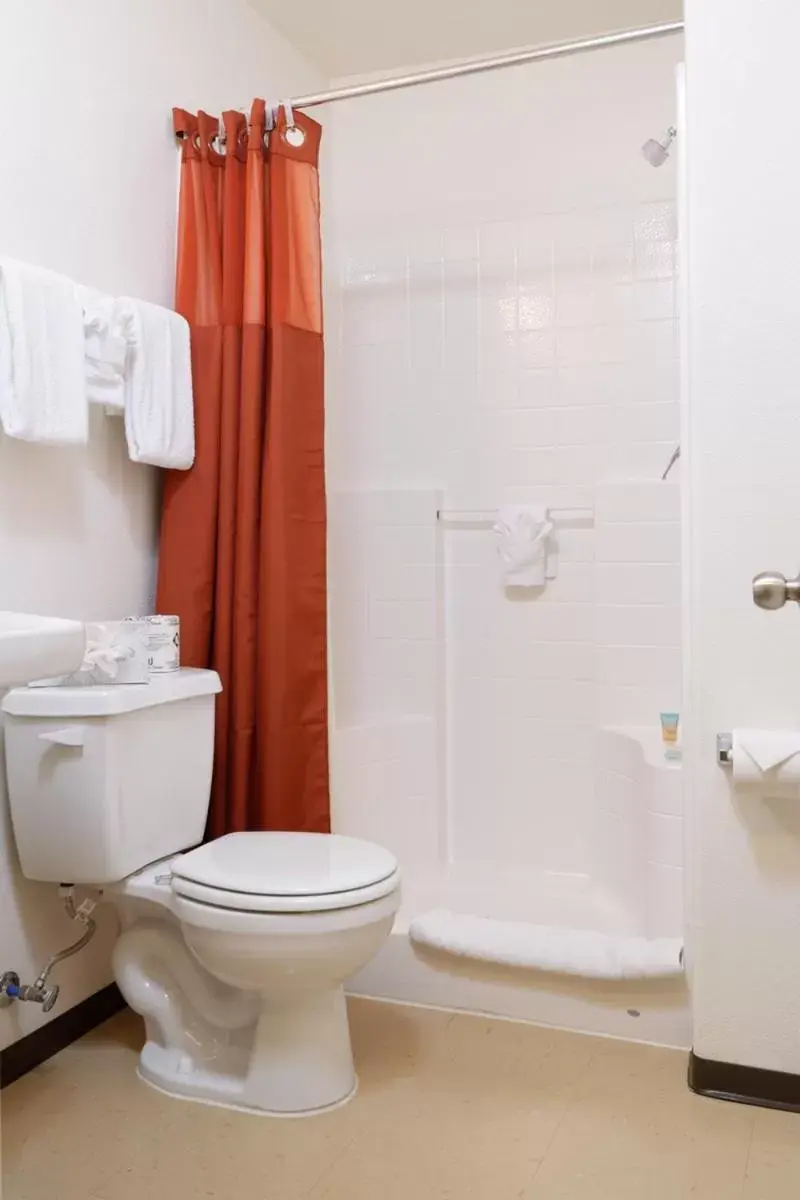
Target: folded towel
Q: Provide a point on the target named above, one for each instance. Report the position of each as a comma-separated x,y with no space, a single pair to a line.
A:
523,531
109,325
42,384
159,406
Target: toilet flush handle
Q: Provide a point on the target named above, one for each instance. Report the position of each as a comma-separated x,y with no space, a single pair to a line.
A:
71,735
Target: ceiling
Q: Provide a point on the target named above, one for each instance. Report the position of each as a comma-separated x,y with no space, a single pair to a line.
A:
356,37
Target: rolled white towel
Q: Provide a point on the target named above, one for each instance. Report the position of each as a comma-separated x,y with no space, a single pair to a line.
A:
584,952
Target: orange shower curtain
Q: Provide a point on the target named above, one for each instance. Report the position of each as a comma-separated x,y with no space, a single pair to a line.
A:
242,555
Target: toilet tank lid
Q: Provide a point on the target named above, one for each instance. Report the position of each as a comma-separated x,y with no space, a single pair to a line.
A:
113,700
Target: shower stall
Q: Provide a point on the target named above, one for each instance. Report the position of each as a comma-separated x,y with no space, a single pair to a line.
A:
502,328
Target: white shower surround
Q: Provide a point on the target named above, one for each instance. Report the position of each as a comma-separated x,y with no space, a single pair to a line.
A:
380,777
502,328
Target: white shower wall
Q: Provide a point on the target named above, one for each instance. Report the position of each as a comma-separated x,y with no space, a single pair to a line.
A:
502,327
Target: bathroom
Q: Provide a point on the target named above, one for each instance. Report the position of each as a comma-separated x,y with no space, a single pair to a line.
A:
520,309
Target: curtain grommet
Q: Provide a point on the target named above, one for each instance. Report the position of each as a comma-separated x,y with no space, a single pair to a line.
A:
294,135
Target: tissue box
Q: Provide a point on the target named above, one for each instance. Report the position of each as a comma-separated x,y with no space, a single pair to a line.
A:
116,652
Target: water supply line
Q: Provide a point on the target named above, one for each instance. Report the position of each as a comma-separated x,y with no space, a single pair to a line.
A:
40,992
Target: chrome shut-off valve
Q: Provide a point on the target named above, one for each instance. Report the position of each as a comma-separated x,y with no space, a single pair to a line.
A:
772,590
37,993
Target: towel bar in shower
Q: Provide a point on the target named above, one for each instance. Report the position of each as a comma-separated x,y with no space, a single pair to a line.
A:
486,516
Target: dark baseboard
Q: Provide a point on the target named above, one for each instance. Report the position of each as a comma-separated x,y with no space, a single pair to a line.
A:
744,1085
37,1047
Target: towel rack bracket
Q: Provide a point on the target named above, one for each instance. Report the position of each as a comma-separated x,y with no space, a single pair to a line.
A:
724,749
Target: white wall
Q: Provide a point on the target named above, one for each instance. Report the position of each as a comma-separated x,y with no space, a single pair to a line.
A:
359,35
89,189
639,847
744,435
504,330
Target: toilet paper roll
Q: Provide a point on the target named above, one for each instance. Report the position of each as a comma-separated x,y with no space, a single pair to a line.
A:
767,760
162,636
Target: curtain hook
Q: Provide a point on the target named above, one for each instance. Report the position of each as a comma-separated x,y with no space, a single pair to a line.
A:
294,134
270,121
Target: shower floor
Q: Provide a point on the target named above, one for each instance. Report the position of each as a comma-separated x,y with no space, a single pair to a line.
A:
650,1010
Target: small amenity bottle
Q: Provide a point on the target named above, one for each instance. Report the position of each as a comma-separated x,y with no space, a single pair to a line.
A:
669,735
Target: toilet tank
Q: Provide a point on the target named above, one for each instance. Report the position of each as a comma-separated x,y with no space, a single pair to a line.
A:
104,780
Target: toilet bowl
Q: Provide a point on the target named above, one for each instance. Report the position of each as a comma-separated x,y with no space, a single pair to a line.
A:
235,953
239,976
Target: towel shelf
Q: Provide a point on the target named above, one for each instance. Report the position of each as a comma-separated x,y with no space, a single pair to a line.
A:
468,516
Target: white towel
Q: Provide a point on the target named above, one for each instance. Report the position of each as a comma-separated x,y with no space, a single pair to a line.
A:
159,407
523,532
520,944
42,386
109,326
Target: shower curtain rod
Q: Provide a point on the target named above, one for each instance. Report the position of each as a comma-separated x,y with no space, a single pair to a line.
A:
478,66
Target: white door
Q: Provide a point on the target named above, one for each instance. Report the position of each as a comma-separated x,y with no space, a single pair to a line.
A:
742,467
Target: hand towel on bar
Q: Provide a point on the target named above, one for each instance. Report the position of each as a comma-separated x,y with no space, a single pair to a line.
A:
159,406
42,384
109,325
522,532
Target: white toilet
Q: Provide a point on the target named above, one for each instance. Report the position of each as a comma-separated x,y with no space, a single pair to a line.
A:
234,953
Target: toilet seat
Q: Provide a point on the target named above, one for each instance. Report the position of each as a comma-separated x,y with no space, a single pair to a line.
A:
285,872
248,902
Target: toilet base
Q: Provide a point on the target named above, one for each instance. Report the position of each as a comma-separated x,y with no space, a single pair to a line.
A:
298,1061
174,1091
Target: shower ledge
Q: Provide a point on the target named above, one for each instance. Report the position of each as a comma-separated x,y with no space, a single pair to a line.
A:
649,739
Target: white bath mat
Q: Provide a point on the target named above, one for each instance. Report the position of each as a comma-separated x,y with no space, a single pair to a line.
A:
582,952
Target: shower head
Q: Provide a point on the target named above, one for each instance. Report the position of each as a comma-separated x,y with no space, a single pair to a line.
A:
656,152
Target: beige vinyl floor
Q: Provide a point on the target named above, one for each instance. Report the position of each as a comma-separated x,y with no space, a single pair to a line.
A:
449,1108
